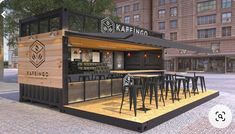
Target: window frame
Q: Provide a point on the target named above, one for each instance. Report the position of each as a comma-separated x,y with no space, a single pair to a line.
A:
127,8
225,3
163,26
128,19
224,20
135,7
227,32
175,13
176,24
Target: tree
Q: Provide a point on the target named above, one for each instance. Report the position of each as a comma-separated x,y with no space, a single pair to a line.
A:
19,9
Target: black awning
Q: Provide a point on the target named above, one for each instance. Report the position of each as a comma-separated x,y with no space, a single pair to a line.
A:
140,40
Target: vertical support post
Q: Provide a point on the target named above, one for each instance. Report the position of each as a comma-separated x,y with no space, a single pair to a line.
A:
65,72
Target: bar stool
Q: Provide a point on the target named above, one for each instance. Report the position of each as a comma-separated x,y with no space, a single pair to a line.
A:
126,84
137,83
169,80
154,84
99,76
194,83
84,77
133,84
185,86
202,82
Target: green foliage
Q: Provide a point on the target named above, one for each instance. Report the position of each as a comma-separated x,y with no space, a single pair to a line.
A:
19,9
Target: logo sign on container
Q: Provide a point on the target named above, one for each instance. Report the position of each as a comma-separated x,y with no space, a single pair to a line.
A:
108,26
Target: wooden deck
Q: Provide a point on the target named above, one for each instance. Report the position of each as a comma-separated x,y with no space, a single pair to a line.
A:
109,107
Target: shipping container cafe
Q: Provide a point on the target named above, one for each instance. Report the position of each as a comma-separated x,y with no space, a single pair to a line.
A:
80,64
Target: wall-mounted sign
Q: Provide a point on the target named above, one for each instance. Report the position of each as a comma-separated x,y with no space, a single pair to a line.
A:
108,26
95,56
37,53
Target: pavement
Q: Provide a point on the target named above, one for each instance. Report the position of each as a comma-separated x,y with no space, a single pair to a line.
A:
25,118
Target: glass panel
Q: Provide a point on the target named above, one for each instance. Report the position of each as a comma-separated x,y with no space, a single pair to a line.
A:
91,25
91,90
44,26
105,88
25,30
117,86
76,92
55,24
34,28
76,22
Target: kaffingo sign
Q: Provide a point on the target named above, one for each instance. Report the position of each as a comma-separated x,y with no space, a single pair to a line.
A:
108,26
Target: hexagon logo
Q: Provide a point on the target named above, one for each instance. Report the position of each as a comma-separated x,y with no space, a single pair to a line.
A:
107,25
37,53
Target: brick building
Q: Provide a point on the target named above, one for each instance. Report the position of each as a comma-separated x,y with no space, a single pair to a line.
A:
204,23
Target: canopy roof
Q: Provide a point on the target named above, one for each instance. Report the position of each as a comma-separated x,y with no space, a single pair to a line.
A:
131,41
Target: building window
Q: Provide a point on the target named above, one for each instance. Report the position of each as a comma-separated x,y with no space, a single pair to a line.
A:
173,23
209,19
161,2
226,3
215,47
136,6
127,19
173,11
126,8
173,36
161,25
161,13
207,5
226,17
206,33
136,18
173,1
226,31
118,11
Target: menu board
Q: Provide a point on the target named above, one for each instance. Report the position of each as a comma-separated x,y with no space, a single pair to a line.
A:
95,56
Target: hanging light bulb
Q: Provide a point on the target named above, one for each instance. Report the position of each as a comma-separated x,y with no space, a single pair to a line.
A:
128,54
145,55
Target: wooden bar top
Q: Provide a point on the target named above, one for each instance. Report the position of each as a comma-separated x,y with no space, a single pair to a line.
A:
195,71
136,71
144,75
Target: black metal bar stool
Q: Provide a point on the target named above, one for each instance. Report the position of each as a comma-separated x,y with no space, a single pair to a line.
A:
185,83
169,80
133,84
202,82
154,84
194,80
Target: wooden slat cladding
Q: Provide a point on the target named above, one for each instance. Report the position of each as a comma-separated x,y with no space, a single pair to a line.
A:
46,71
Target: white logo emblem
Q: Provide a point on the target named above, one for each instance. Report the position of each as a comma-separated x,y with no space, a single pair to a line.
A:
107,25
220,116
